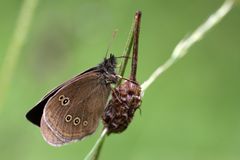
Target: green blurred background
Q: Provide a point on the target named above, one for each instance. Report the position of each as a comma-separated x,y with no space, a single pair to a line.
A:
190,112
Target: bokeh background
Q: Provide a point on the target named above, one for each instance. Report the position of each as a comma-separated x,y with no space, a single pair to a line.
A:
190,113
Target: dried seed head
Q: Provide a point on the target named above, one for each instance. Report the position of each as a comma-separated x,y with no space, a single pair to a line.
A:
121,108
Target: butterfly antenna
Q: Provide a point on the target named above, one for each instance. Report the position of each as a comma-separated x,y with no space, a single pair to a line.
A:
111,41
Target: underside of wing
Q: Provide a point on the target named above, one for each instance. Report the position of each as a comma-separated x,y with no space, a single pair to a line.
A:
35,114
49,135
73,112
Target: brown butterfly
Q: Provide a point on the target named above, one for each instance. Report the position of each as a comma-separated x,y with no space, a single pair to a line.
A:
72,110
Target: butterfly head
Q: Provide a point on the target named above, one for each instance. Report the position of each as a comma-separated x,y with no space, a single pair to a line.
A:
107,67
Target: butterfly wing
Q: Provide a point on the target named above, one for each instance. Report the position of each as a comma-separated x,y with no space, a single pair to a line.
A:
49,136
74,110
35,114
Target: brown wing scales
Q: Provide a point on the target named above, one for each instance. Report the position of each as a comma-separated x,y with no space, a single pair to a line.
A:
74,111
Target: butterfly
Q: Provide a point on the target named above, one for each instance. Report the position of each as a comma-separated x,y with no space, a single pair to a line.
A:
72,110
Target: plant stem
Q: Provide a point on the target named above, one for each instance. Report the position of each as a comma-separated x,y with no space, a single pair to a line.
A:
136,31
15,46
126,53
94,153
179,52
187,42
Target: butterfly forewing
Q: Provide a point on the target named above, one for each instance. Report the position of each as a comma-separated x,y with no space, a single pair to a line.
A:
72,112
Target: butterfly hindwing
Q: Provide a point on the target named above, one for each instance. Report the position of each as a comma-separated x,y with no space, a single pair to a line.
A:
35,114
74,110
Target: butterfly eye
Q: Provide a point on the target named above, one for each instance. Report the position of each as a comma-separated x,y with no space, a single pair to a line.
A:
85,123
65,101
76,121
61,97
68,118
